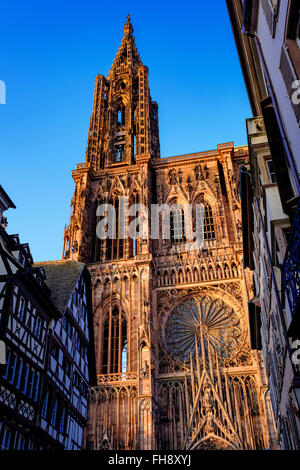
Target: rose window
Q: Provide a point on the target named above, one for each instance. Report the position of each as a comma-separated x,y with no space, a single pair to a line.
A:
209,322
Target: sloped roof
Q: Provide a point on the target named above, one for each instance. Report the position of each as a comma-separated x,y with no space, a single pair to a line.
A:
61,278
5,200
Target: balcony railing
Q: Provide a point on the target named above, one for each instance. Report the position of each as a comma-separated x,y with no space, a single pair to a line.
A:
291,266
113,378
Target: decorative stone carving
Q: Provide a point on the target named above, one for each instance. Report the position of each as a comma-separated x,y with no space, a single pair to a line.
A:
204,322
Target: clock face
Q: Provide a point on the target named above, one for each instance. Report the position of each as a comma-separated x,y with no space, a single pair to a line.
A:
209,322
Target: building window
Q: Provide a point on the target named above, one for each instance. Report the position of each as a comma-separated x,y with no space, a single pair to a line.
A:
84,313
124,357
36,386
119,153
134,241
55,351
70,330
114,245
25,379
19,373
77,380
65,322
5,375
31,383
66,367
209,227
54,413
62,420
271,171
19,442
38,327
177,226
45,405
121,115
278,153
5,438
12,368
21,309
114,342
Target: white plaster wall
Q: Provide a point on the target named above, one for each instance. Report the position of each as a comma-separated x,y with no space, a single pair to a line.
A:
273,207
272,51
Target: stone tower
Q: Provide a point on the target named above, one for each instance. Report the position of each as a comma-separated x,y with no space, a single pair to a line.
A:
174,362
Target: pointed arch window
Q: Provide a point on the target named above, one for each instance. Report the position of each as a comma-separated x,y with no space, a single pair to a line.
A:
134,243
203,221
177,225
119,116
209,227
114,357
119,153
119,146
121,120
124,356
110,248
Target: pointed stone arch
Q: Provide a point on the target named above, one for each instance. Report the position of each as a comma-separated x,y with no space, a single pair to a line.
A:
214,442
117,189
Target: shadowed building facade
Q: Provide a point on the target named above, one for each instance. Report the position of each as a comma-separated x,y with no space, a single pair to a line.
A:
267,36
46,329
175,368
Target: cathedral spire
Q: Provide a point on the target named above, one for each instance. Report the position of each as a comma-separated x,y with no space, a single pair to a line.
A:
128,28
124,121
127,56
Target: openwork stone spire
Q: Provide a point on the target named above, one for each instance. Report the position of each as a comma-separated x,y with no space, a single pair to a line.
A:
127,57
128,28
124,121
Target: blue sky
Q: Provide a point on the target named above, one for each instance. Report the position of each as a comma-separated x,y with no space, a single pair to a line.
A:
51,52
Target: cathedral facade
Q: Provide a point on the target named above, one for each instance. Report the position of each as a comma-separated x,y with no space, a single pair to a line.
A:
175,368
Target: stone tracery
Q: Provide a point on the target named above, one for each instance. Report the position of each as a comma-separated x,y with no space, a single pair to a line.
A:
205,321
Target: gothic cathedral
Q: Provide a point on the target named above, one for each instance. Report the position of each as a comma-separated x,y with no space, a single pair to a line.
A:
174,360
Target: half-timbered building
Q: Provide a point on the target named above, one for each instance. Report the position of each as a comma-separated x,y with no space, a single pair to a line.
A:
71,366
45,336
26,315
